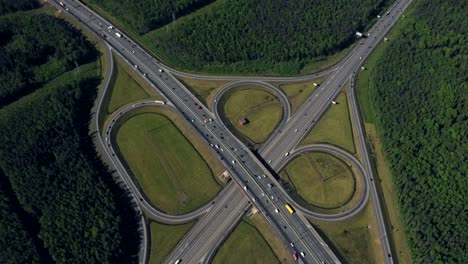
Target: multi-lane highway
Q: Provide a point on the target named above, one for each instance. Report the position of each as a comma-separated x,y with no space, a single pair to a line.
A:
244,167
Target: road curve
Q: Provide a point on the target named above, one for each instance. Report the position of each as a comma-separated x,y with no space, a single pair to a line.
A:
263,85
343,155
96,119
146,205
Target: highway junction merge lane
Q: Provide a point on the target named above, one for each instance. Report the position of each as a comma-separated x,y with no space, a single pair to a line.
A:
245,168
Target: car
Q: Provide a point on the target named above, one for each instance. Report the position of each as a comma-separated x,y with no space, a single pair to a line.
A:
287,154
178,261
193,120
292,244
295,130
276,210
233,162
245,187
264,175
200,107
294,255
217,146
302,254
136,66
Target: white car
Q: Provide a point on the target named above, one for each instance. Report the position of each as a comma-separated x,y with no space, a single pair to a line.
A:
245,187
276,210
302,254
233,162
287,154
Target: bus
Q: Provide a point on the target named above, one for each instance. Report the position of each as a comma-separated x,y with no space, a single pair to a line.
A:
290,209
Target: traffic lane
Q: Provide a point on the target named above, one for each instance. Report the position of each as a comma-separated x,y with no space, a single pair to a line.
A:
218,227
192,241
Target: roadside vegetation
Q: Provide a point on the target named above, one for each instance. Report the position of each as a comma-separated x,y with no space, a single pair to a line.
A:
244,36
261,108
152,145
204,90
356,240
164,239
60,194
271,237
334,127
320,179
297,93
418,94
124,88
245,245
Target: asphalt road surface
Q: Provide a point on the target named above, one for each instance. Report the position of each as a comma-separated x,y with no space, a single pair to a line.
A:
242,164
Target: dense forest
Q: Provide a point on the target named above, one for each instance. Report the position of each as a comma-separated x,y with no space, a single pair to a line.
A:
266,36
142,16
57,183
17,245
9,6
420,96
35,49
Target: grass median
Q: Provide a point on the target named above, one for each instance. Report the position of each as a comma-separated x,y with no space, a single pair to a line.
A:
204,90
262,110
320,179
334,127
164,239
245,245
170,170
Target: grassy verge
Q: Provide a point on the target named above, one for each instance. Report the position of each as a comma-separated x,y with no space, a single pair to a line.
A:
386,185
270,236
164,238
262,109
356,240
172,173
298,92
334,127
245,245
327,62
320,179
124,88
204,90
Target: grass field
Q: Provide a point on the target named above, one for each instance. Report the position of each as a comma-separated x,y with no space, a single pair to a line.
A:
334,127
204,90
320,179
261,108
164,238
124,88
245,245
172,173
356,239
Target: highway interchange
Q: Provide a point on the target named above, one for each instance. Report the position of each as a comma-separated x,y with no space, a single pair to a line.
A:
245,168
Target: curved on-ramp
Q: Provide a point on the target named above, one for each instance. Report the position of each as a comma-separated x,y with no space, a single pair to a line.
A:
143,201
344,155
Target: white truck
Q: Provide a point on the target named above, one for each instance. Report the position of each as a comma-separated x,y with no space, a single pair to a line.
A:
118,34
